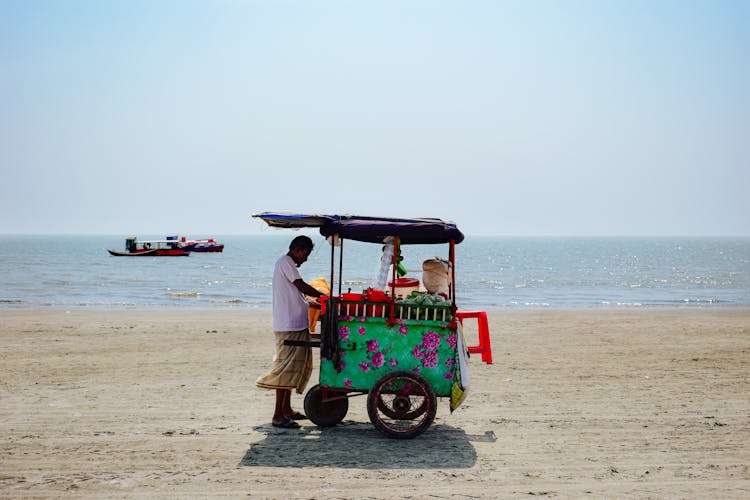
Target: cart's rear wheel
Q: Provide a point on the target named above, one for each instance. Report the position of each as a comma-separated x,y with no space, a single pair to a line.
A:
400,407
401,404
324,414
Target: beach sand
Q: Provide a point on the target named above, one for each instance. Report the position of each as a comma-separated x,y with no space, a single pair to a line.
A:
577,404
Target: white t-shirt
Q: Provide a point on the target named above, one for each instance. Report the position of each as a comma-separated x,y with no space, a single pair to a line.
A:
289,304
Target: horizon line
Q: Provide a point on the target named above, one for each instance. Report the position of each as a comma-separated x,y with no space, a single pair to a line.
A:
284,231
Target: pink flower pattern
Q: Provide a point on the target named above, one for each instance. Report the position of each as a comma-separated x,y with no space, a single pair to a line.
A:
452,340
431,341
430,359
417,351
344,333
378,359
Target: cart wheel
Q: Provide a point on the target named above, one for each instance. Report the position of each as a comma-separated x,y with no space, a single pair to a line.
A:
402,404
324,414
392,407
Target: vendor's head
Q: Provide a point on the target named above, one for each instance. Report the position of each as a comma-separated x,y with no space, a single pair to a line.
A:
299,249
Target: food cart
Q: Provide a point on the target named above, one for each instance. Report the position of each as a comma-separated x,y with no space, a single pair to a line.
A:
402,351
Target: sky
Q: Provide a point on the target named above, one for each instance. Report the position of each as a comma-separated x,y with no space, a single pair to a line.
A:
528,118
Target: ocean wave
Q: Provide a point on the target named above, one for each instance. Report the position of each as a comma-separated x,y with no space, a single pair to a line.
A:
59,282
702,301
236,301
608,303
354,282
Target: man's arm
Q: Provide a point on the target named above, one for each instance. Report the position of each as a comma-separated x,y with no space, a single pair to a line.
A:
306,289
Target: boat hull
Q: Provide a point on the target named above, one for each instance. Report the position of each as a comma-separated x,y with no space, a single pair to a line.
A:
153,252
213,248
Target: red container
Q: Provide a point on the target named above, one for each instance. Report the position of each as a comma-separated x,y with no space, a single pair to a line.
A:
372,295
404,286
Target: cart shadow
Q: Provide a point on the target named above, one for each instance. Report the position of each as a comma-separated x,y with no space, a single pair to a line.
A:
361,446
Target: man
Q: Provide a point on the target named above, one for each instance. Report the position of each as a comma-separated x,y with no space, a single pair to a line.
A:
292,365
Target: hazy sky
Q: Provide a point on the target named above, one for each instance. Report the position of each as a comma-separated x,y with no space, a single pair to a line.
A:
512,118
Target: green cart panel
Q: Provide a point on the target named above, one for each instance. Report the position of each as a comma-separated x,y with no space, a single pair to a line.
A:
369,348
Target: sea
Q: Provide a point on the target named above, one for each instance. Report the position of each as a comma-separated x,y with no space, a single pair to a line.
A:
76,272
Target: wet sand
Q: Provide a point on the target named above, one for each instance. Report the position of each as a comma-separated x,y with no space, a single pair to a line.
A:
577,404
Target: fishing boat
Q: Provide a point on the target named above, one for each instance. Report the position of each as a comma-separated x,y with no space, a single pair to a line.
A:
155,248
207,245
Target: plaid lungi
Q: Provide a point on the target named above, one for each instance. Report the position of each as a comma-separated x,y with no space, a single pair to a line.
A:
292,365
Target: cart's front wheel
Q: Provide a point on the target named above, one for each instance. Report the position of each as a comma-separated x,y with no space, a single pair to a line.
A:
401,404
324,413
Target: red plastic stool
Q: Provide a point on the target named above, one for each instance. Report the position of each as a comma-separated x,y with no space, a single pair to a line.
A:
484,347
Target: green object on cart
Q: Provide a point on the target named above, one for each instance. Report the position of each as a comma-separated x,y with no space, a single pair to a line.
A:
400,270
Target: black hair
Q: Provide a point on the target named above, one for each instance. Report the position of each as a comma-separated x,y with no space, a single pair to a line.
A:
302,243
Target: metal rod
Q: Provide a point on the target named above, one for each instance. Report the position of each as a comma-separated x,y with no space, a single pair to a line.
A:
396,253
396,250
452,258
341,262
333,261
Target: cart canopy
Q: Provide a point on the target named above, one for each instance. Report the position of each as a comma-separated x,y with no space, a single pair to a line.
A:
370,229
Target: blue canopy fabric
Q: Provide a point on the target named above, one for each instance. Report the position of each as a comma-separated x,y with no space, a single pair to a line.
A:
370,229
288,220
